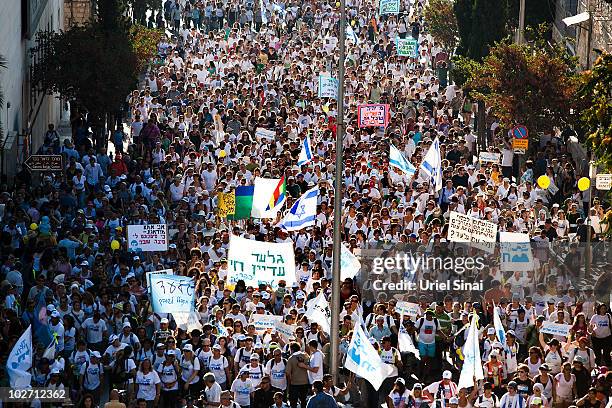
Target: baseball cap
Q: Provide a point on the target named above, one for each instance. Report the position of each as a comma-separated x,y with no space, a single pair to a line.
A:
96,354
447,375
453,400
491,330
187,347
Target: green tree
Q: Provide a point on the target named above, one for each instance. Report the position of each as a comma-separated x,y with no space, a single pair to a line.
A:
488,27
442,23
463,14
595,93
91,66
462,69
526,85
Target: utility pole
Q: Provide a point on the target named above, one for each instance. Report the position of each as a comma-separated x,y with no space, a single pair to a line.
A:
521,30
337,238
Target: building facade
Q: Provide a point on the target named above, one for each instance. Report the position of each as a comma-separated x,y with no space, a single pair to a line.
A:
590,37
26,111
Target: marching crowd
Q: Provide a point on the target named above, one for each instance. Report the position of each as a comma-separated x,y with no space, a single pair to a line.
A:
225,70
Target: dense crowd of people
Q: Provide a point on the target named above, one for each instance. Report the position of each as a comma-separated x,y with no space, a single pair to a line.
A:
226,69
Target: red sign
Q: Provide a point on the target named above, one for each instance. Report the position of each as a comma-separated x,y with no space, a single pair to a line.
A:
373,115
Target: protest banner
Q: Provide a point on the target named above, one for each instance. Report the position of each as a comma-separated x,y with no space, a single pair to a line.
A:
286,331
488,157
318,311
263,322
172,293
373,115
147,238
226,204
258,262
328,87
261,133
459,227
149,274
481,233
187,321
556,329
408,308
407,47
515,252
389,7
603,181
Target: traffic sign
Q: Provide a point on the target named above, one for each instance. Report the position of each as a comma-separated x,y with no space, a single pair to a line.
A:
44,162
520,132
519,146
603,181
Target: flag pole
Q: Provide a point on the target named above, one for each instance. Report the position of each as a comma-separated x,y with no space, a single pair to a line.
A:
337,237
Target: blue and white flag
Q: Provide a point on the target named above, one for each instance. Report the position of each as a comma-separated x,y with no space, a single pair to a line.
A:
472,364
349,264
172,293
364,361
303,212
20,361
499,328
221,330
432,165
306,152
397,159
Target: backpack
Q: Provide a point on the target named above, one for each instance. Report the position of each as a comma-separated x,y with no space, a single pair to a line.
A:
493,396
87,367
588,350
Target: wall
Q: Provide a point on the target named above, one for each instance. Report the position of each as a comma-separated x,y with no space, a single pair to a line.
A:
21,19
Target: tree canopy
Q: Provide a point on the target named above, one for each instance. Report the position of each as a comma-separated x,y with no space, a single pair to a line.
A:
442,23
526,85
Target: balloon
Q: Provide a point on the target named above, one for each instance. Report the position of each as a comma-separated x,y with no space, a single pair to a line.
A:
584,184
222,153
338,4
543,182
33,226
115,244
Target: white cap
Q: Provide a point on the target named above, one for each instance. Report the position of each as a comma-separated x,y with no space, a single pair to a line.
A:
163,321
453,400
447,375
55,313
96,354
187,347
127,324
112,338
265,295
491,330
260,305
254,356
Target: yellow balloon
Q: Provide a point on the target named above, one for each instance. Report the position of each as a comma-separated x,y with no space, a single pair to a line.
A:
584,184
33,226
115,244
543,182
338,4
325,108
222,153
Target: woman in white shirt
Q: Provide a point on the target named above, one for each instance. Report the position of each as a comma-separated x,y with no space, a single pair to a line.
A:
147,384
600,328
562,224
190,367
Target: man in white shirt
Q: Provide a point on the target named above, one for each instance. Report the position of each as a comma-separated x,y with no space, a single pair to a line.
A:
94,331
315,368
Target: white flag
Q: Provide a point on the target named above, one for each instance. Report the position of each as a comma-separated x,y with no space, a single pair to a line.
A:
472,364
306,152
432,165
363,360
20,361
499,327
405,341
265,205
50,351
349,264
303,212
318,311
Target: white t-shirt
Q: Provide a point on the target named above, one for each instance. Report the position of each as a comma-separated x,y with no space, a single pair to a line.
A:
316,360
188,368
217,367
91,381
213,394
242,391
602,323
389,357
94,331
168,374
276,371
146,385
398,399
427,331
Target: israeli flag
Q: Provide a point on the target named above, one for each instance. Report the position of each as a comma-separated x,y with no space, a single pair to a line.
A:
20,361
306,152
350,33
397,159
432,165
363,360
303,212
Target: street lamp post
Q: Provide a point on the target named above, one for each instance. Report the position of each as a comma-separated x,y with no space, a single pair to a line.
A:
337,238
